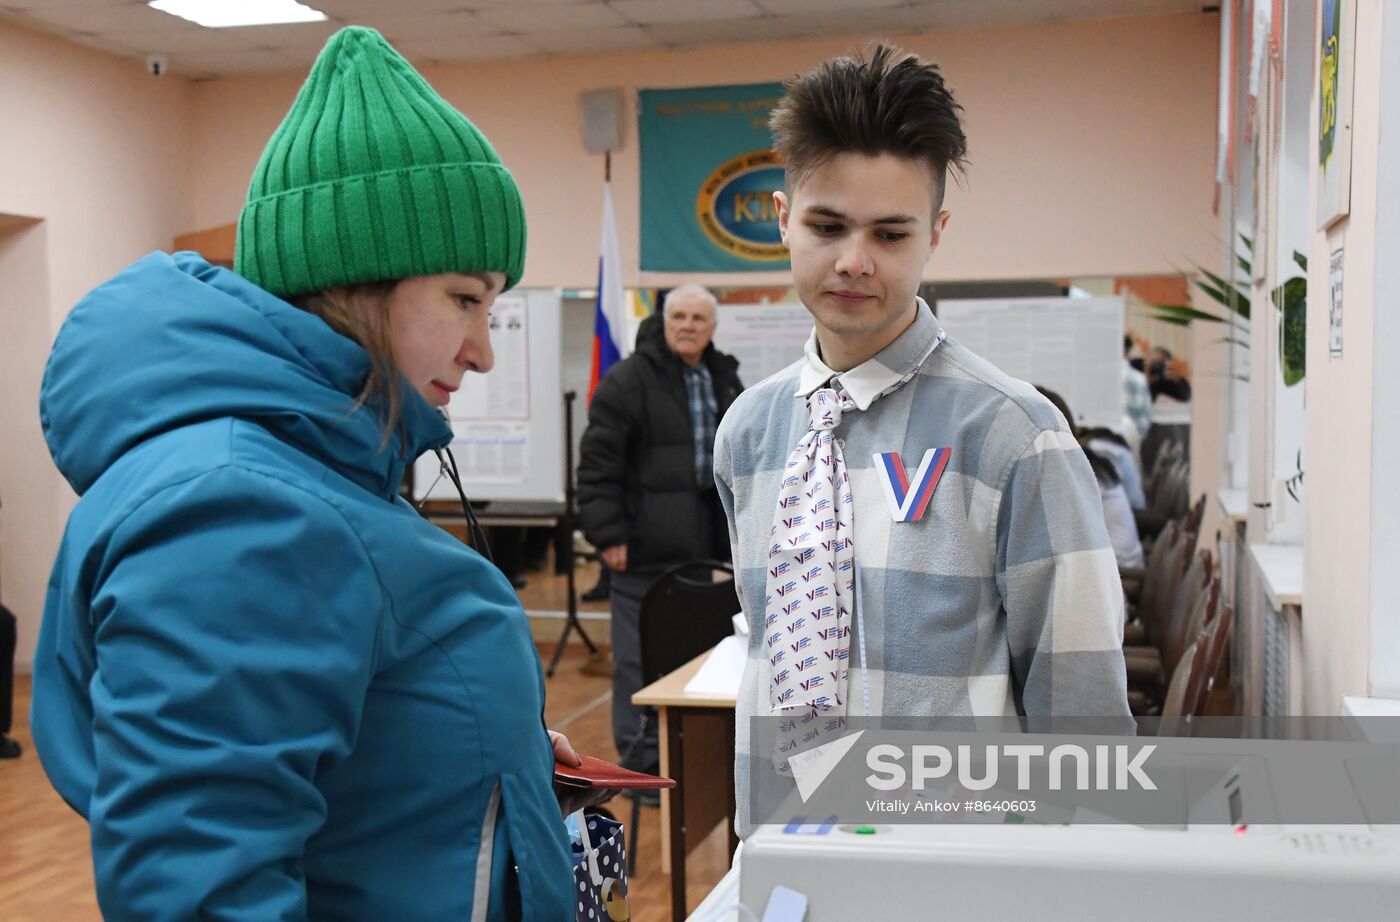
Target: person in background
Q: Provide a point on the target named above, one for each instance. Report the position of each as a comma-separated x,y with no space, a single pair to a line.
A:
602,589
1117,507
1117,451
1168,376
646,488
1117,512
1137,396
508,551
9,624
275,690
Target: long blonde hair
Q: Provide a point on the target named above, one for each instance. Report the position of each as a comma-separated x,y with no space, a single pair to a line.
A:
361,312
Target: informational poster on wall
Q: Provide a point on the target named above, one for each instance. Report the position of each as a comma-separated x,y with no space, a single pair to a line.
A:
492,452
1073,346
765,338
508,425
505,392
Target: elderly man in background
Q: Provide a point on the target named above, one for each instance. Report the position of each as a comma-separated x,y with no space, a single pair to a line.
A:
646,487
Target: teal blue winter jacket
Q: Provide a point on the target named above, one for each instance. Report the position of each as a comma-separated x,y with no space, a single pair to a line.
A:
273,689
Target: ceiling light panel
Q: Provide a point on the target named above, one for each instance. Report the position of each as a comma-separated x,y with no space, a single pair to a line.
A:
222,14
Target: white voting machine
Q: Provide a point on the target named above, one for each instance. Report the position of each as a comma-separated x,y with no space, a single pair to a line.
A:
1208,864
1064,873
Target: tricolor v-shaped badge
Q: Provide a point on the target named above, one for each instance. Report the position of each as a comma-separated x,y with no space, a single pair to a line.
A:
907,503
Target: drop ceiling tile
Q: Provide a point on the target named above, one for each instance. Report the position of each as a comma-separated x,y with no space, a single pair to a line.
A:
725,32
976,14
304,57
397,28
501,4
650,12
553,18
339,9
783,7
36,4
286,35
595,41
234,64
198,41
256,62
126,17
439,50
853,24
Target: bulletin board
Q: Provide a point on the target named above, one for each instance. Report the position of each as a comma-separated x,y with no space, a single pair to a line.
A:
765,338
1073,346
508,425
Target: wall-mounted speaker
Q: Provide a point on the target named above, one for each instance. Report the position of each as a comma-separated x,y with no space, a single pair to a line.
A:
601,112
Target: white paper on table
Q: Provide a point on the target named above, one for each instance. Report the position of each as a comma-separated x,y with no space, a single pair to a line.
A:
720,674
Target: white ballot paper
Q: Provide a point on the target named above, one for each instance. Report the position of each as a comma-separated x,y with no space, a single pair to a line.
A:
720,674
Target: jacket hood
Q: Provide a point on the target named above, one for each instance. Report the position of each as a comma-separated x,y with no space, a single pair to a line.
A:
652,333
172,341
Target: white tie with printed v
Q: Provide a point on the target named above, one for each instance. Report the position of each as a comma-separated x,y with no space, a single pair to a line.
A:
810,584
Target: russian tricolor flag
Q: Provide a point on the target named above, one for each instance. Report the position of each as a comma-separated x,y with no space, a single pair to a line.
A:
610,344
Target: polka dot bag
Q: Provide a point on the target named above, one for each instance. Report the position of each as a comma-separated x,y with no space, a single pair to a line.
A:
600,872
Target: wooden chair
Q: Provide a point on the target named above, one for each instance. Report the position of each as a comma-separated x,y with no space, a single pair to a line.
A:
1217,647
1183,695
1189,691
1187,616
1161,586
1194,516
1150,667
1185,685
1168,494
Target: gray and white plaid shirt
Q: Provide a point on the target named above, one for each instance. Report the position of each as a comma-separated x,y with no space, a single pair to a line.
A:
1003,599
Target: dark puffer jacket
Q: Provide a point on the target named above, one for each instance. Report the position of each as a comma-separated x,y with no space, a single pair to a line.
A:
636,472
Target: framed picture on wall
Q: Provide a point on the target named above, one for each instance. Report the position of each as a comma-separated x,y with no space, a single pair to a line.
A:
1334,75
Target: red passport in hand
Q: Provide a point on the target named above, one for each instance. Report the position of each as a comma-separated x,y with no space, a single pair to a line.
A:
595,773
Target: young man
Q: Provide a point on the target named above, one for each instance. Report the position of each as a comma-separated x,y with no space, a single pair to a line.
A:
986,581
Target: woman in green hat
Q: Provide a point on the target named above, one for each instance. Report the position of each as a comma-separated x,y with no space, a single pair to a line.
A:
274,690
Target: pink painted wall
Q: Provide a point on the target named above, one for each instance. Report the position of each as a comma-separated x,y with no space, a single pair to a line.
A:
1092,143
1337,558
96,151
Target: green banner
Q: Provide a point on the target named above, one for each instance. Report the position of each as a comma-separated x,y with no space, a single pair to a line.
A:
708,177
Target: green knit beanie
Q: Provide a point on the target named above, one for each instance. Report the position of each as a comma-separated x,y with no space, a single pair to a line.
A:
373,176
